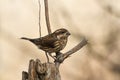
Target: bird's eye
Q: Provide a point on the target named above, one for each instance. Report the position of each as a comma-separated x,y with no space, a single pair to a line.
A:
62,32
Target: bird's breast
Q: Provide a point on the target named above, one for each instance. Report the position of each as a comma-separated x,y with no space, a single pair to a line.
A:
58,46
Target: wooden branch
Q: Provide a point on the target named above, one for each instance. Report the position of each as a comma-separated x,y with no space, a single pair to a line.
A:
47,16
63,56
76,48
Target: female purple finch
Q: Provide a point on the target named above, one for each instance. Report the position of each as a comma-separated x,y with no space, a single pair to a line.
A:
52,43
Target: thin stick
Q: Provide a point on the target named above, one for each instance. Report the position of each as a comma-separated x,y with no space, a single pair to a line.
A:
39,18
47,57
62,57
76,48
47,16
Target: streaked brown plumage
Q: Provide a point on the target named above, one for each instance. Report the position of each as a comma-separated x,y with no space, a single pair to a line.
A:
52,43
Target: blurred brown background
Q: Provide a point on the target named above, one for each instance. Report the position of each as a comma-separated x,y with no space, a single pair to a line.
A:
97,20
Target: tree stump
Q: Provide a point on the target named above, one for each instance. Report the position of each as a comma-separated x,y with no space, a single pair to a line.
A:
41,71
49,71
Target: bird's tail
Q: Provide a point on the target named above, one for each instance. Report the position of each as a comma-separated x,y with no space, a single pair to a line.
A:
25,38
34,41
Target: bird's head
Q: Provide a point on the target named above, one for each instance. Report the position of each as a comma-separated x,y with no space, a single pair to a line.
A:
62,33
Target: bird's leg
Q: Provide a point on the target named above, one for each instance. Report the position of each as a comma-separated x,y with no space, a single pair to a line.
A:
51,56
47,57
57,54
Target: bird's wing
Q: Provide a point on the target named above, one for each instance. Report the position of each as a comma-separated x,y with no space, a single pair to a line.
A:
48,41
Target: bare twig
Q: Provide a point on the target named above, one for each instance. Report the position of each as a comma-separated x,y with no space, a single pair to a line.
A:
47,56
47,22
39,17
47,16
63,56
76,48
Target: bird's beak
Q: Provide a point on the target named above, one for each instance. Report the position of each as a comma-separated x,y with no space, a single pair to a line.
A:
68,33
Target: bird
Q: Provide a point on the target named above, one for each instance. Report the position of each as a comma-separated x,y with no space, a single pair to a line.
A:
51,43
